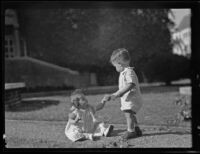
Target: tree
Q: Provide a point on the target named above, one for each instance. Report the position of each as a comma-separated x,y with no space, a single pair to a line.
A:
84,39
167,67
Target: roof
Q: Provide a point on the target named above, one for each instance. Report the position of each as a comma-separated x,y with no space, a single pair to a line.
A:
14,85
11,17
50,65
185,23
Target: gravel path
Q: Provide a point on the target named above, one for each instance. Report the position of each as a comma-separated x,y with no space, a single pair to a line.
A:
41,134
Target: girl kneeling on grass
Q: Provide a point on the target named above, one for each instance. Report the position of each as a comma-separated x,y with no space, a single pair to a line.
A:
82,123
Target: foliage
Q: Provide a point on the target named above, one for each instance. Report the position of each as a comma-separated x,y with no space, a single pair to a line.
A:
83,39
167,67
184,114
36,75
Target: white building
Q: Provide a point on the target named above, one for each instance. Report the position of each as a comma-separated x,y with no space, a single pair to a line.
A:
182,38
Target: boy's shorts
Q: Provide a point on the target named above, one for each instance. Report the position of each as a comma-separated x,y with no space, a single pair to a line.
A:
130,106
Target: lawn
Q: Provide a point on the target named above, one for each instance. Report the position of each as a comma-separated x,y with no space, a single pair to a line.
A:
157,108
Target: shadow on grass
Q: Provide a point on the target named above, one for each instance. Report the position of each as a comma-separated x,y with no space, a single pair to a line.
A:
31,105
165,133
117,132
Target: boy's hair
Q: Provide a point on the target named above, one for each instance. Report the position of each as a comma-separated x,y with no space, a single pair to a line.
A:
120,56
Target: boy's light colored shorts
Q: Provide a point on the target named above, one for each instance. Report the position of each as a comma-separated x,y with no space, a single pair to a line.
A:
131,106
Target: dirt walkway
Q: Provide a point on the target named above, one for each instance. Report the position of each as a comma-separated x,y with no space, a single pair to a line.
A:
34,134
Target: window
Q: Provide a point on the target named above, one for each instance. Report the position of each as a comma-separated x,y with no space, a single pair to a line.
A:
11,42
6,42
9,46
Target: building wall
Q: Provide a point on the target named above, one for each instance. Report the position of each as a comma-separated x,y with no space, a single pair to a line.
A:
12,36
183,42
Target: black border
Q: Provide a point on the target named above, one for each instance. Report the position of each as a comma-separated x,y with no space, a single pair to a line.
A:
195,61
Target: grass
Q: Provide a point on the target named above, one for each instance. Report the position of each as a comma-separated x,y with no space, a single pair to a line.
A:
157,108
51,135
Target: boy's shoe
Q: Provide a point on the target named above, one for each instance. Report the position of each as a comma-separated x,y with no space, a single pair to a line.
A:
129,135
108,130
138,131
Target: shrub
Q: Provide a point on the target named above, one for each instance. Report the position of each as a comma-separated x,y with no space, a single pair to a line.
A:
166,68
184,114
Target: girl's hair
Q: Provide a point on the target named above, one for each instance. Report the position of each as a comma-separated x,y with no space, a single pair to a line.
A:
120,56
75,103
77,91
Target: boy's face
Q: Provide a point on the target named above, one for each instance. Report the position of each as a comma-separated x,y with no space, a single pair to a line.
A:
80,100
119,67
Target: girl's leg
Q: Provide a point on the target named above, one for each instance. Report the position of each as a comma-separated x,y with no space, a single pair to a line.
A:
99,130
103,129
88,136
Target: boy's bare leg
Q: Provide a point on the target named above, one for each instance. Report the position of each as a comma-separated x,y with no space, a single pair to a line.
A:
135,126
132,129
131,120
135,123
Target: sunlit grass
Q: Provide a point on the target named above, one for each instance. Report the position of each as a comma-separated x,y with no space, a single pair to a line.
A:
156,109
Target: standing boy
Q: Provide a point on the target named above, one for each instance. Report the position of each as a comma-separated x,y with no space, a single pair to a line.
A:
129,91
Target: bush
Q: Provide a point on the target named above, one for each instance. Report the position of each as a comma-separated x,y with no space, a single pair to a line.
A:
46,89
166,68
184,113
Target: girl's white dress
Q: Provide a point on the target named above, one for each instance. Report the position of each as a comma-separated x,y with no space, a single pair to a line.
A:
74,131
87,125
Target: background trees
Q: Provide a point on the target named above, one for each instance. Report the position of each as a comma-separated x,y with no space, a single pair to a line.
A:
83,39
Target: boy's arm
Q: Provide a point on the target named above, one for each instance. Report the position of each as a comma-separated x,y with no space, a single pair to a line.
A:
121,92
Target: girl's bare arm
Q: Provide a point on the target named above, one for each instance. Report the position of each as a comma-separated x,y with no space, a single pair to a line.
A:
92,112
100,106
74,120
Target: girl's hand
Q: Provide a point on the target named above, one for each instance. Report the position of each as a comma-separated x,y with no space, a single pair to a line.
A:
106,98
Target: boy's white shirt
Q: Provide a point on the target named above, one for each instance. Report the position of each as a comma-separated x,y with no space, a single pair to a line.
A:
131,99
